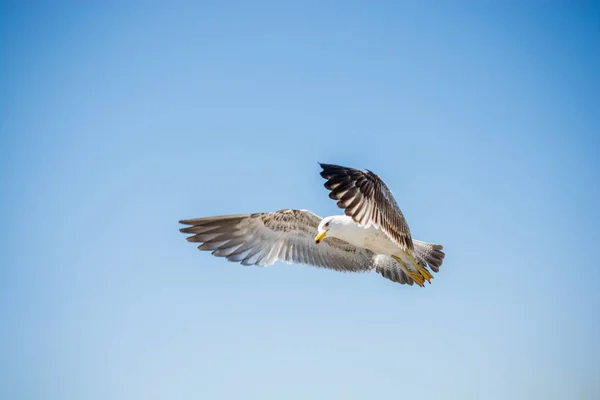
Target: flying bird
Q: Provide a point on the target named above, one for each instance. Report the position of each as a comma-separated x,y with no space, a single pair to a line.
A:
372,235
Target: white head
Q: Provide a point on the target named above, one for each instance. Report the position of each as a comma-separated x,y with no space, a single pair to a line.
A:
332,226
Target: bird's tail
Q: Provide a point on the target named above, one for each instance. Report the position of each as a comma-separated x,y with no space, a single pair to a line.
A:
423,255
429,254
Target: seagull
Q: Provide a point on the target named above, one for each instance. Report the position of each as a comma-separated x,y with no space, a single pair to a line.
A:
371,236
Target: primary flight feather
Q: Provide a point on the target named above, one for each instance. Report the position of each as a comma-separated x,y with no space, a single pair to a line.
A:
372,235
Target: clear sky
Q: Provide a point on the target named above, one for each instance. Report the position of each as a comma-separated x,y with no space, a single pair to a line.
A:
118,121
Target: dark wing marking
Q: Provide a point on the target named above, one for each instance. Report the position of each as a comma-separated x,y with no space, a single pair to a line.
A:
366,198
264,238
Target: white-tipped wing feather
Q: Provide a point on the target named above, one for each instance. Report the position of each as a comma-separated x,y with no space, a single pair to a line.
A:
286,235
368,201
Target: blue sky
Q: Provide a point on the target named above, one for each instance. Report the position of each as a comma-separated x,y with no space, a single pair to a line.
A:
118,121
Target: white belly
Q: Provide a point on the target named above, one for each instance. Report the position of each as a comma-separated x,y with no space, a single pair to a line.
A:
369,238
378,242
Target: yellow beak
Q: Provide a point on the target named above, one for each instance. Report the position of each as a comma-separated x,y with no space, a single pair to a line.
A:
320,236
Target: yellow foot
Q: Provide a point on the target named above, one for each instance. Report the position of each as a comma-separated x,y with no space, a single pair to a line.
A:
415,276
425,273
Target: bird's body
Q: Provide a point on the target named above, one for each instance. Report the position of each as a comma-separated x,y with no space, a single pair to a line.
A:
371,236
372,239
360,236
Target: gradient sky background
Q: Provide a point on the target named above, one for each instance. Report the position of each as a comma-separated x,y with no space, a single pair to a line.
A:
117,121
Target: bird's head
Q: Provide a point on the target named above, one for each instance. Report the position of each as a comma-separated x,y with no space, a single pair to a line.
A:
329,226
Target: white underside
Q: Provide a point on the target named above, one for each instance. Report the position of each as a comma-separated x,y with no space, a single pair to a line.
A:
370,238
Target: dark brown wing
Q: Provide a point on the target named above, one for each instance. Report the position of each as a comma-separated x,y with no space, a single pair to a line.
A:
369,202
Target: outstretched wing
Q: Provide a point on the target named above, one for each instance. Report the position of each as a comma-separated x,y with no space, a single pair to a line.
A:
286,235
366,199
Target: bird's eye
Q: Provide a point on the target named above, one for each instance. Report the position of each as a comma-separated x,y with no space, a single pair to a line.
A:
327,224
